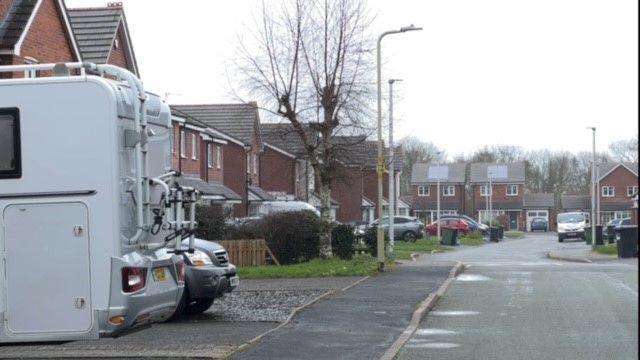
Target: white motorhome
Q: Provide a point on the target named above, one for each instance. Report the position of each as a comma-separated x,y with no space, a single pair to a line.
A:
90,212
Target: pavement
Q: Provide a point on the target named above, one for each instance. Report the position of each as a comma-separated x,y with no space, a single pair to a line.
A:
512,302
577,250
359,323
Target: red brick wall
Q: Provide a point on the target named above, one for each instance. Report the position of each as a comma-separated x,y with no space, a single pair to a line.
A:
4,6
47,40
215,172
429,202
499,195
235,174
187,165
370,186
118,56
620,178
347,191
277,171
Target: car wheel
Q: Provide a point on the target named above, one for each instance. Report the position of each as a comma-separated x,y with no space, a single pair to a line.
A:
182,304
560,239
199,306
409,236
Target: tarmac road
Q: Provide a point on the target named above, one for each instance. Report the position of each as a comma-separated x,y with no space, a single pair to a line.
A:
513,303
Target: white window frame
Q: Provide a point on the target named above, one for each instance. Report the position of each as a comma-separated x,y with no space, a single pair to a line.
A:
31,73
248,163
219,157
255,164
194,147
610,191
631,190
209,156
483,190
449,190
423,192
511,187
183,144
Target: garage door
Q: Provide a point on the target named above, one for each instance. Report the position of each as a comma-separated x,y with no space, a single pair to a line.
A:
534,214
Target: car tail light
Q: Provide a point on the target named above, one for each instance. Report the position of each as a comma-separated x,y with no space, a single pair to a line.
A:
133,279
180,270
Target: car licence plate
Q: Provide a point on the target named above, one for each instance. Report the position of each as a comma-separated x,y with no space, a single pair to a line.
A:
235,281
160,274
572,234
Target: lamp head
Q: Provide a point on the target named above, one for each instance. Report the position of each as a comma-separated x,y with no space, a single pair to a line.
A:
410,28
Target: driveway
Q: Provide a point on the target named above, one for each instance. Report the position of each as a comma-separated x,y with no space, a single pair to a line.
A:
513,303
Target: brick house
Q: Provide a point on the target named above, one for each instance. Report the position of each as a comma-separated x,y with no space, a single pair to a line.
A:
35,31
507,193
617,183
102,35
198,154
575,203
540,205
241,160
424,193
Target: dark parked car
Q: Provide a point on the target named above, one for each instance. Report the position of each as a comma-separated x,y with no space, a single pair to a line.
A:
614,225
539,224
209,275
404,227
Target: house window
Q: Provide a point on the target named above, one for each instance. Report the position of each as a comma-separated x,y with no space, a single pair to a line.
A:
632,190
248,163
183,144
255,164
484,190
209,156
194,146
10,164
449,190
116,44
31,73
608,191
512,190
423,190
218,157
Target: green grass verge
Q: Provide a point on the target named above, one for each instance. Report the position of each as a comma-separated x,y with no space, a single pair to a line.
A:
468,241
609,249
514,234
360,265
404,249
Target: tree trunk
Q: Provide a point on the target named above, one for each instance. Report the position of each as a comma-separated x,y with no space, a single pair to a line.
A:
325,221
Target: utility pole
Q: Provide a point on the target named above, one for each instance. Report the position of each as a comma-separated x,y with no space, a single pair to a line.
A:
593,188
490,200
392,191
380,162
438,154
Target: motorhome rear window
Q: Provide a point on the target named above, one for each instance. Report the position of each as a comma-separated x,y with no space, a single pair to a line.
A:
9,143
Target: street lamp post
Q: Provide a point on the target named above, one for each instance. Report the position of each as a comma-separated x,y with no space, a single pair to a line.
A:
380,162
438,154
392,191
593,187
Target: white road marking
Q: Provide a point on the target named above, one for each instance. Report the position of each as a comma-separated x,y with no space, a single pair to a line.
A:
472,277
622,285
433,346
453,313
427,332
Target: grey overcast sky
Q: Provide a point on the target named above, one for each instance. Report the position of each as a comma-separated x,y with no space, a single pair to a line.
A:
531,73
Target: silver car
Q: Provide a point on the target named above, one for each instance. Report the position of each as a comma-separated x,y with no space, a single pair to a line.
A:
404,227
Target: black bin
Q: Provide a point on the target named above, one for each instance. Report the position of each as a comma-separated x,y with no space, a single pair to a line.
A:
611,235
627,241
494,233
500,232
599,237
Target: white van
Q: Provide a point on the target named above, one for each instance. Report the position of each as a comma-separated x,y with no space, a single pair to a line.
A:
571,225
89,207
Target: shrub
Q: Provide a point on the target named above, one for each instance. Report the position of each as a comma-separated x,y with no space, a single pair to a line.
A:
211,222
477,235
371,240
343,241
292,236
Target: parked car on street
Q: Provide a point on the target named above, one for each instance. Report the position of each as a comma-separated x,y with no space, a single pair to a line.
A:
404,227
271,207
473,225
571,225
539,224
209,275
458,224
615,224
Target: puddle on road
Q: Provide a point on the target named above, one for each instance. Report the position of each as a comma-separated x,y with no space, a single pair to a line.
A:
453,313
472,277
433,346
427,332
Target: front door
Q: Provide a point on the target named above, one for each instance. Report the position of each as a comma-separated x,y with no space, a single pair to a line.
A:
513,220
47,268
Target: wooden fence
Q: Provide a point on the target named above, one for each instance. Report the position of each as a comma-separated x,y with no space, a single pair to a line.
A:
248,252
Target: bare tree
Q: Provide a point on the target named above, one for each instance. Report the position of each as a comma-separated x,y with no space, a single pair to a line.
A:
310,67
624,150
415,151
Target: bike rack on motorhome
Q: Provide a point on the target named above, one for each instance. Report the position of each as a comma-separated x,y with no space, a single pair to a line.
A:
91,214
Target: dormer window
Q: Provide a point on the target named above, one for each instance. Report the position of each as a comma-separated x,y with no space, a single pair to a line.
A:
116,44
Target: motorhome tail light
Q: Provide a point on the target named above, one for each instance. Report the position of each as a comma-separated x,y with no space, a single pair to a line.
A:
133,279
180,270
117,320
